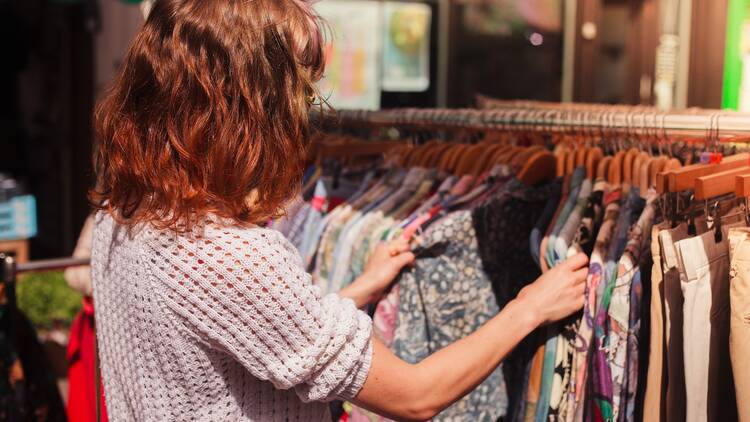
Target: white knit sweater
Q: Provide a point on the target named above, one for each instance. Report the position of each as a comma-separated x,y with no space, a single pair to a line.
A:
221,325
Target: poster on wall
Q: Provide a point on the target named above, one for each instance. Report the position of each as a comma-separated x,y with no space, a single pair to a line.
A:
406,47
352,48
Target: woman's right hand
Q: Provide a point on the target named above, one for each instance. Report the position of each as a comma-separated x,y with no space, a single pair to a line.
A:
559,292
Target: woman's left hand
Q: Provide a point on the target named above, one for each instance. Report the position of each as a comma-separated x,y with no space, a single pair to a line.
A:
382,268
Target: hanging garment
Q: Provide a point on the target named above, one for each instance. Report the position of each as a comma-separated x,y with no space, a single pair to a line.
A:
675,398
704,276
585,236
318,207
631,410
503,225
575,347
568,232
567,329
584,360
550,366
534,392
603,389
535,238
444,297
739,336
654,408
620,306
576,180
81,368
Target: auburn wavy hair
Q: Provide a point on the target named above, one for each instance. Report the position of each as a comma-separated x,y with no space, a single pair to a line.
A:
209,113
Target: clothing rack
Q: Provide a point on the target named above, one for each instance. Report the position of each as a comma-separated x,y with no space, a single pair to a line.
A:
11,268
585,118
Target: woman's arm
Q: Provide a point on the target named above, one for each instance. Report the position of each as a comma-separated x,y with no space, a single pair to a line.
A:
403,391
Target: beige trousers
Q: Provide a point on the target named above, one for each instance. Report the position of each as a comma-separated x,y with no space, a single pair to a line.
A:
739,335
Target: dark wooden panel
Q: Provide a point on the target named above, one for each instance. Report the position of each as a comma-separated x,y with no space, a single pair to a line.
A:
586,51
707,53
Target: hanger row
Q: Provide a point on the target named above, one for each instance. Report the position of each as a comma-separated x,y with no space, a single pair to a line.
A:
555,117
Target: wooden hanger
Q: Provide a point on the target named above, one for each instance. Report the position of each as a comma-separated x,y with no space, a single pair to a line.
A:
560,157
506,156
615,174
445,157
453,156
541,166
475,158
520,159
468,159
640,171
718,184
592,162
742,186
655,166
627,165
661,180
487,160
581,153
684,178
570,162
419,159
602,169
456,157
437,156
429,154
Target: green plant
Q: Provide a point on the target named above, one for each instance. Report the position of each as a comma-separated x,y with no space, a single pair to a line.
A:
45,298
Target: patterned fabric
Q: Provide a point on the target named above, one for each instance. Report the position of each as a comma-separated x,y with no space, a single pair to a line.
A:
575,186
503,226
549,367
634,371
603,388
318,207
570,228
564,393
620,306
583,360
325,254
592,218
444,297
566,339
297,227
535,238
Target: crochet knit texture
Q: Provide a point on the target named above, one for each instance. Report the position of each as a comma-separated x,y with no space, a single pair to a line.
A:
221,324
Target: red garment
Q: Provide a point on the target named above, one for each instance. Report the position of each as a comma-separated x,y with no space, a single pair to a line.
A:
81,367
334,202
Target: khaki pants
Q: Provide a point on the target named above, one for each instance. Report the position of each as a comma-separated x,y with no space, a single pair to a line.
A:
739,336
654,409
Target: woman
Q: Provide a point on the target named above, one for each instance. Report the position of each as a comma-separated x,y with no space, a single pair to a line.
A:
203,315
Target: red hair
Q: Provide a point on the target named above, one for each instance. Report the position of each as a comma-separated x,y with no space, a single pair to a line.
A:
209,109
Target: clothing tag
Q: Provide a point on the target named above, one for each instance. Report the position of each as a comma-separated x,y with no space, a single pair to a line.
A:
318,202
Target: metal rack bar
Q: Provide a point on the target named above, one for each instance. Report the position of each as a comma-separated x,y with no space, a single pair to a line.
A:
51,264
562,118
9,268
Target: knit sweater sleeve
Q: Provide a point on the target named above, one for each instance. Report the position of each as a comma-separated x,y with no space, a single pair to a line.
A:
245,293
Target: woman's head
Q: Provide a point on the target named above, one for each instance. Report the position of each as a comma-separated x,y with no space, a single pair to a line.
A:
210,108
